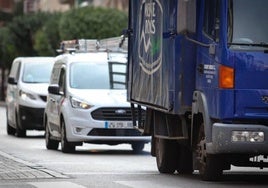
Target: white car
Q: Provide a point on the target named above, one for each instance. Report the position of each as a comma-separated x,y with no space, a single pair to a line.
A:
87,103
27,93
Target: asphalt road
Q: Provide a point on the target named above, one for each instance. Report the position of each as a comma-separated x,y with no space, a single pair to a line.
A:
25,162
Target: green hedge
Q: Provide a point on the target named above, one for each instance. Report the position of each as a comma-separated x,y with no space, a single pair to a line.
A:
90,22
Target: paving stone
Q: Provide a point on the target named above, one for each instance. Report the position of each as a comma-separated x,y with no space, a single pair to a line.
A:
14,169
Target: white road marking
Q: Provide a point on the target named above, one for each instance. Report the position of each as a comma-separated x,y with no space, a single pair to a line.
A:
62,184
147,184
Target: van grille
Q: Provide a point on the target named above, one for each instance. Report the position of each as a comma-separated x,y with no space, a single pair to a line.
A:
122,114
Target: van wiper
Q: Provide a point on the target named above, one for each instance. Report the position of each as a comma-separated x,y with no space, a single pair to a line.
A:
33,82
261,44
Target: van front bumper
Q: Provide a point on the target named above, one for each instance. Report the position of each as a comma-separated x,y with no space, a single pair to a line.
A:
224,140
31,118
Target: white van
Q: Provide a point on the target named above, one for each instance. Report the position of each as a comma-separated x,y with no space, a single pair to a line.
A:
87,103
27,93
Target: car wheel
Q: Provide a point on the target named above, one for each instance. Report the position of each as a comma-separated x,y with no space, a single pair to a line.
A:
166,155
20,132
50,144
66,147
137,147
10,129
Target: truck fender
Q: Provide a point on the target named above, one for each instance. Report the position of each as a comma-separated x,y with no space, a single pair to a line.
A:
199,106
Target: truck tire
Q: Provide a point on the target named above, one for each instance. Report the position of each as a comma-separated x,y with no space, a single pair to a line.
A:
209,166
166,155
185,161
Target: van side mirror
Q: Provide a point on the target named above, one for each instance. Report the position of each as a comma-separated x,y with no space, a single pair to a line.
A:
12,80
54,89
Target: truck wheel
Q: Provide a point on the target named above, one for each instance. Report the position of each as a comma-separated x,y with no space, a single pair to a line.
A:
50,144
209,166
185,161
66,147
137,147
166,155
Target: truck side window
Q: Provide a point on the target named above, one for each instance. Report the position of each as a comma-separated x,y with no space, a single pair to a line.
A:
230,21
211,19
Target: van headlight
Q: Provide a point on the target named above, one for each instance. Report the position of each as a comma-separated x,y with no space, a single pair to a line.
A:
76,103
24,95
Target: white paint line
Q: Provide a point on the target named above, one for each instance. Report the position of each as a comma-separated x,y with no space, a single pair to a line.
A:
63,184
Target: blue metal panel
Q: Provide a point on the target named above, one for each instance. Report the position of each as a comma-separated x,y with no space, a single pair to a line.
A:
162,62
247,100
162,65
251,84
152,58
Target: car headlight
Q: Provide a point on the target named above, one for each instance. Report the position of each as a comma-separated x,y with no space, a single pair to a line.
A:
76,103
24,95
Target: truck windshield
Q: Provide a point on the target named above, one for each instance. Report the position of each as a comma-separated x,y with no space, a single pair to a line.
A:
98,75
248,23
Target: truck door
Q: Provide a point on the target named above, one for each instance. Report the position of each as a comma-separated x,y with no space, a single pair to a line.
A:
208,56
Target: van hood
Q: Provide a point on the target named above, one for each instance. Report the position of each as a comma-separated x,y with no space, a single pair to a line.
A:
39,89
101,97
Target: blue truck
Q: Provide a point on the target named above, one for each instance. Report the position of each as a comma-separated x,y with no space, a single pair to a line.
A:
200,68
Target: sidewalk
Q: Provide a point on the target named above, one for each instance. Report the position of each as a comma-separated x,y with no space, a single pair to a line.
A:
12,168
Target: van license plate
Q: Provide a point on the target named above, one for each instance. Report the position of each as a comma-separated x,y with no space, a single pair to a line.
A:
117,125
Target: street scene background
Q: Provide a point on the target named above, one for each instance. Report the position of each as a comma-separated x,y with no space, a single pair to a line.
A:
25,162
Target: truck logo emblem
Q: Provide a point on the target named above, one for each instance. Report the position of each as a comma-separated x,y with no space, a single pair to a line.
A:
150,36
264,99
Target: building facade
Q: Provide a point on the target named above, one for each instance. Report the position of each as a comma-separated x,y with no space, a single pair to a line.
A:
6,6
31,6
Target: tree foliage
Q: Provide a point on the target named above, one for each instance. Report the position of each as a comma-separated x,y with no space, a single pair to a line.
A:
47,38
92,22
23,29
7,48
40,34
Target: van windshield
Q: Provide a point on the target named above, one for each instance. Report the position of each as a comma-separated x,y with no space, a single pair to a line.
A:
106,75
248,22
37,72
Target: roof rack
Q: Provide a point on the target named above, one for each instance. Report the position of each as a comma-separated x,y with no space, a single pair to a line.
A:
114,44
